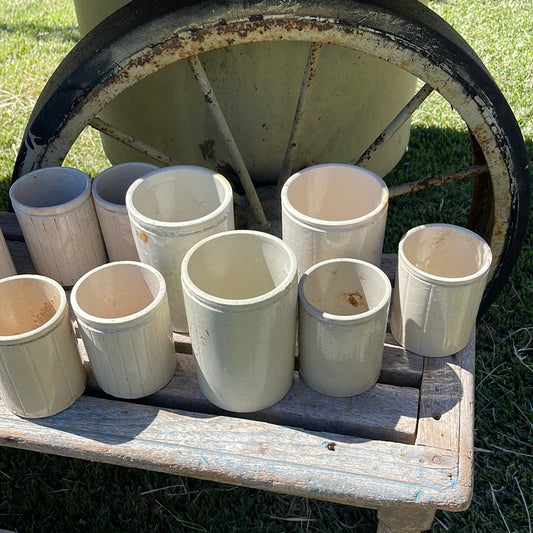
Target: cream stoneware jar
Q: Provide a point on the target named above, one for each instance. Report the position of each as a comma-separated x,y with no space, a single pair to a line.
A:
109,194
442,273
240,292
172,209
41,372
56,213
123,316
7,267
343,311
334,210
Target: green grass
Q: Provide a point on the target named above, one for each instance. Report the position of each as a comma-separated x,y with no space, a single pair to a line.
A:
41,492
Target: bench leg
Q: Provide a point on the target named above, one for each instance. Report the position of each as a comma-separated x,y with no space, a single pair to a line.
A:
404,519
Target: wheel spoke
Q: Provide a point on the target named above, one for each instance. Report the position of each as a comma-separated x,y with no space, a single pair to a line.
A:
301,108
231,146
436,180
396,123
131,141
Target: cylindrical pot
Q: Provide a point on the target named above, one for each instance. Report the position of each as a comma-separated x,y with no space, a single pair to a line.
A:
240,292
109,194
41,372
172,209
334,210
441,276
343,311
56,213
123,315
7,267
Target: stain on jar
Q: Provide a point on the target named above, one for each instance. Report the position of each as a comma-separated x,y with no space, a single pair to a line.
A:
355,298
142,236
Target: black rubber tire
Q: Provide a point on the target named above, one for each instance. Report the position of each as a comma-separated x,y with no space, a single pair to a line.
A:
143,37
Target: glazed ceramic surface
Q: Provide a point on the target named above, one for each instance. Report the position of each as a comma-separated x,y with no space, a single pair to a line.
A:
56,213
343,311
7,267
123,315
333,210
441,276
171,210
240,293
41,372
109,193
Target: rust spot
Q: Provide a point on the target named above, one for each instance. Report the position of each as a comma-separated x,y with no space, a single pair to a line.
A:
207,332
142,236
355,298
334,272
207,148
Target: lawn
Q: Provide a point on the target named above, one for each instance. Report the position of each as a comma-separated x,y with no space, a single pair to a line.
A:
41,492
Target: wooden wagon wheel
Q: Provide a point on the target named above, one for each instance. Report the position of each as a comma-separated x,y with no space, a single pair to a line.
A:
142,38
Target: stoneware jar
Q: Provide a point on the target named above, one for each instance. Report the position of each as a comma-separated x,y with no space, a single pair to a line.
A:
41,372
172,209
56,213
441,276
343,311
109,194
7,267
123,316
334,210
240,293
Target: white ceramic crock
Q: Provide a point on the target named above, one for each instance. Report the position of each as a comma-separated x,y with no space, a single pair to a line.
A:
56,213
334,210
123,315
240,290
7,267
109,193
41,372
343,311
172,209
441,276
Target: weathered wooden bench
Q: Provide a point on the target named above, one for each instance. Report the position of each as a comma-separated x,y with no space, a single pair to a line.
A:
405,447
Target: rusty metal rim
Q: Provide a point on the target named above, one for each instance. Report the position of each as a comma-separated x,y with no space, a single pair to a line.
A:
134,43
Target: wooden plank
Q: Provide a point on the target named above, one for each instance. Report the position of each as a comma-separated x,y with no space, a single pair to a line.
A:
446,416
10,227
384,412
256,454
21,257
400,367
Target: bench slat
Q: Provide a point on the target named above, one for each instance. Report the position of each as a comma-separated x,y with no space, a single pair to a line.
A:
446,417
384,412
243,452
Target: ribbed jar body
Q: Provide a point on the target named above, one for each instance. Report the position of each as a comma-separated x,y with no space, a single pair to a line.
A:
442,273
240,291
123,316
171,210
109,194
7,267
56,213
41,372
